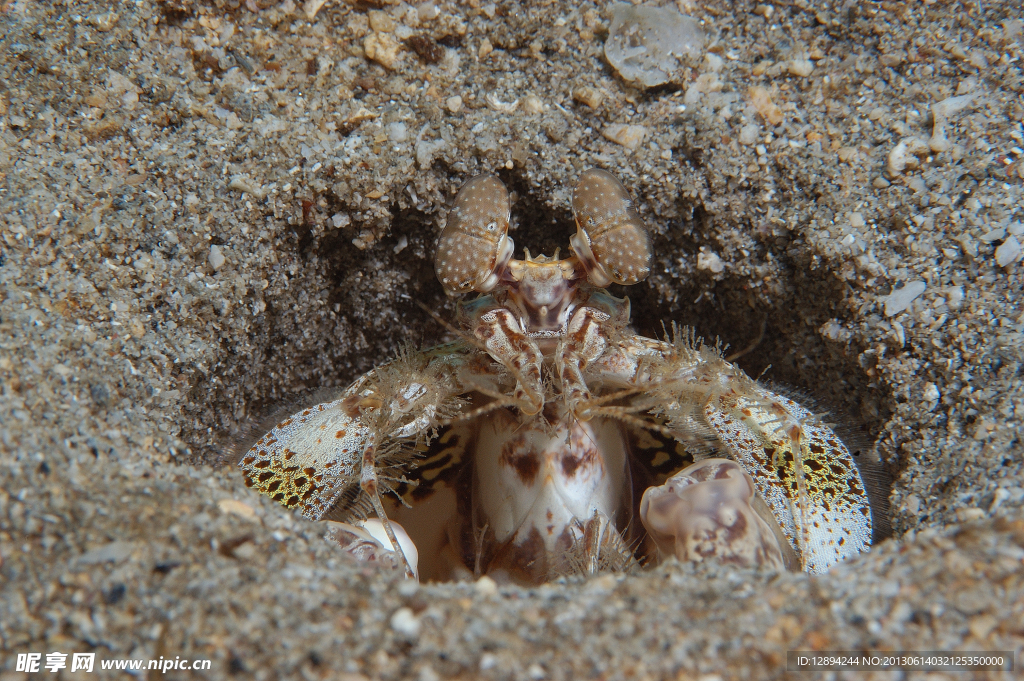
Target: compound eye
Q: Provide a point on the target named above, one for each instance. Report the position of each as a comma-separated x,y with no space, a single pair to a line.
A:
474,246
611,240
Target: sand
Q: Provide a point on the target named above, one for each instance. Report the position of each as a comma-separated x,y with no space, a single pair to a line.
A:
211,209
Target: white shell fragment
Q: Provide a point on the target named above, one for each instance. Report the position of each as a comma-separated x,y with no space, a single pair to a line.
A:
644,42
1008,252
705,512
901,298
896,163
216,258
941,113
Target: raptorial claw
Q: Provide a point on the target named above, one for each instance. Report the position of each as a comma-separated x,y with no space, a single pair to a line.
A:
706,512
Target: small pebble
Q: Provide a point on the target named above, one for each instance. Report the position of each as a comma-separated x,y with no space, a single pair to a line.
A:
800,67
454,104
486,587
629,136
901,298
966,515
405,622
748,134
408,588
427,11
707,260
993,235
1009,252
104,22
398,131
764,105
235,507
891,60
532,104
311,7
381,21
382,48
216,258
847,154
590,96
896,163
880,183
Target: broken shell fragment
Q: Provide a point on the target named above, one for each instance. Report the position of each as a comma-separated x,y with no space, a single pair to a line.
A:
706,512
644,43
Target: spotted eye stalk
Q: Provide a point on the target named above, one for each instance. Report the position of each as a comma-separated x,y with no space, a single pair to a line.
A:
611,240
474,246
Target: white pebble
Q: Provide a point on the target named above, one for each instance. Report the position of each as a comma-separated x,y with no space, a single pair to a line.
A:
427,11
426,151
897,161
998,498
931,393
398,132
216,258
408,588
940,114
954,297
748,134
901,298
967,515
993,235
710,261
485,586
405,622
1009,252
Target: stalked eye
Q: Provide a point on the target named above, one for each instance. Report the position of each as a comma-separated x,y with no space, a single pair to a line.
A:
474,246
611,240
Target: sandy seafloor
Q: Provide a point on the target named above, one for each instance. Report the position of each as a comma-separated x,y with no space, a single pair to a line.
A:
162,285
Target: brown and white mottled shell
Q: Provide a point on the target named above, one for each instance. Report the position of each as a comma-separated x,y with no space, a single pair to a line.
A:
611,240
474,245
